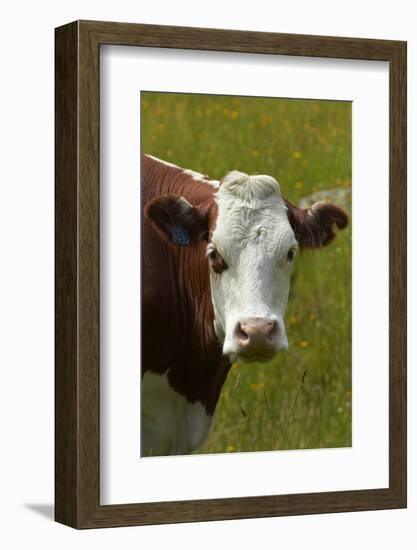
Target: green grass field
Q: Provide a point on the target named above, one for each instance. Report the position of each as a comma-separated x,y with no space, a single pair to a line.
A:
303,399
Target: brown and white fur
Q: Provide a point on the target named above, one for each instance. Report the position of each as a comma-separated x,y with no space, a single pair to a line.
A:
220,296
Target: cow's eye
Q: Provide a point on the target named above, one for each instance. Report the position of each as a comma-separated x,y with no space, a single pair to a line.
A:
217,263
291,254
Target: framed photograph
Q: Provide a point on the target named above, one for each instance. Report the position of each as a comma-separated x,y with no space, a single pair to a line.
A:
230,274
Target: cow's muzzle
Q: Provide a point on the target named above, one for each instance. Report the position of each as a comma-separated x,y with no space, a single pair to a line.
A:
256,339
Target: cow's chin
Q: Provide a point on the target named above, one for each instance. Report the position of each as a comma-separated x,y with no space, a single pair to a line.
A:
253,358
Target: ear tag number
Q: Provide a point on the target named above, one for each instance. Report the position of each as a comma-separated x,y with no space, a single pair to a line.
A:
180,235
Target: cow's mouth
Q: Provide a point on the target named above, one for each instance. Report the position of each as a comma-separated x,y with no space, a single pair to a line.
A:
255,358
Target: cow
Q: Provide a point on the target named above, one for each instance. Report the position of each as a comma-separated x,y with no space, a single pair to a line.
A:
216,262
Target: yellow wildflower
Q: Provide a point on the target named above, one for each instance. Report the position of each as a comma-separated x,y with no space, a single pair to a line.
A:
255,386
265,120
297,155
303,344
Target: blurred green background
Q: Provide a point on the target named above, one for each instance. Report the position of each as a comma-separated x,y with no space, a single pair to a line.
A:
302,400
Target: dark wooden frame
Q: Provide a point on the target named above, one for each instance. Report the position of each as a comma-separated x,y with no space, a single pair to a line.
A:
77,274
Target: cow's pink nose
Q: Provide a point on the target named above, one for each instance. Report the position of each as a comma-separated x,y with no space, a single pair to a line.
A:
256,337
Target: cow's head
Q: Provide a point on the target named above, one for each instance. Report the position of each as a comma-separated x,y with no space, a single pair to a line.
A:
253,237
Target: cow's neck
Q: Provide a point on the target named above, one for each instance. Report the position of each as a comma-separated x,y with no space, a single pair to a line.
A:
202,369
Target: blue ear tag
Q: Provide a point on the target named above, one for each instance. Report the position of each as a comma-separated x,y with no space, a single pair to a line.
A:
180,235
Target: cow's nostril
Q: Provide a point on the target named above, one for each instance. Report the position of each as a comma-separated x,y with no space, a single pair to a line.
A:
273,331
240,333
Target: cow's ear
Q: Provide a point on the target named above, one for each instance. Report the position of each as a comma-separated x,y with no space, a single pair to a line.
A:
176,220
315,226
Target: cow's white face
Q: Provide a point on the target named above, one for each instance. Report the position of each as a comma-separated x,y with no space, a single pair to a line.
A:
251,253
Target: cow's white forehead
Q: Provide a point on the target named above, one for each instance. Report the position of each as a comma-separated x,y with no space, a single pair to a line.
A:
249,188
252,209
